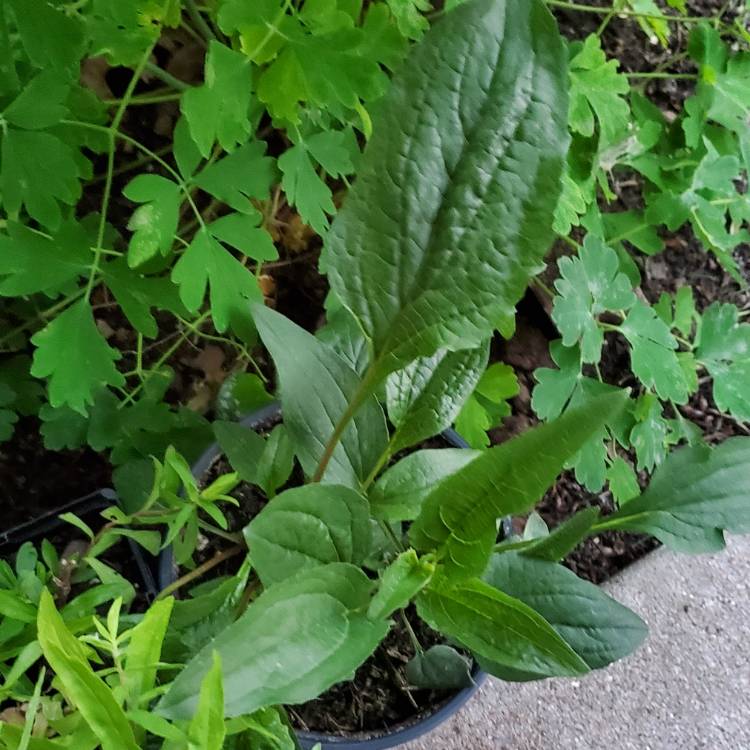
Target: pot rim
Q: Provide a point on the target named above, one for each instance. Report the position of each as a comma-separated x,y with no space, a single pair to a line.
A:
398,734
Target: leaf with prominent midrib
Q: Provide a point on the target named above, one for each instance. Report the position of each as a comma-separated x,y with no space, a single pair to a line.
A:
598,628
426,396
308,526
459,516
694,495
452,208
399,493
317,386
292,643
498,628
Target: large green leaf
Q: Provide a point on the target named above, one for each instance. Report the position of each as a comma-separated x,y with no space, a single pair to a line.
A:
459,516
599,629
694,495
308,526
452,208
89,693
426,396
317,386
296,640
398,495
498,628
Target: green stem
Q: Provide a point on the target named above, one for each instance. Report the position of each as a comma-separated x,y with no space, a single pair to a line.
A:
199,21
629,13
670,76
167,78
273,29
164,357
111,130
412,635
176,176
137,101
48,313
217,559
359,397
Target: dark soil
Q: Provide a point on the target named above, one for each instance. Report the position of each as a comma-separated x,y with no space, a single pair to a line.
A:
34,481
379,697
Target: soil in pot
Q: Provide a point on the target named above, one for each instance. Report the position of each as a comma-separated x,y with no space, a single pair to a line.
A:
379,697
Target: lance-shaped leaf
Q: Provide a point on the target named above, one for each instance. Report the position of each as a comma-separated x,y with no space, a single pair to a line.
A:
317,386
694,495
306,527
293,642
91,695
452,209
406,576
498,628
398,494
599,629
459,516
426,396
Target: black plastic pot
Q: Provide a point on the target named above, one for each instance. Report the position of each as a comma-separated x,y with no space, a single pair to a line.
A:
86,506
397,735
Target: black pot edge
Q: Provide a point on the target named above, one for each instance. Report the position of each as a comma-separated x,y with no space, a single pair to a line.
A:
38,527
399,734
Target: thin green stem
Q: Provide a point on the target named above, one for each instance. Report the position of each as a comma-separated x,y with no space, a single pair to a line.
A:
670,76
167,78
358,398
176,176
228,535
388,531
272,30
379,464
602,11
412,635
111,130
201,570
164,357
603,25
197,18
138,101
48,313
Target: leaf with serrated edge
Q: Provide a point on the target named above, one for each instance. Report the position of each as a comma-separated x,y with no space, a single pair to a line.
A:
470,140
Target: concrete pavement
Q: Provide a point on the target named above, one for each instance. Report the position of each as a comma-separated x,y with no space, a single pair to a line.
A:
687,688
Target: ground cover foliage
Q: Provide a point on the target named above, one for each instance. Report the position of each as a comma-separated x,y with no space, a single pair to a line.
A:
147,213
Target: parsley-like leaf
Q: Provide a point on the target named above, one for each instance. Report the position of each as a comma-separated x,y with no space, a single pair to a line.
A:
206,263
218,110
32,262
653,358
589,285
724,348
154,224
72,353
597,93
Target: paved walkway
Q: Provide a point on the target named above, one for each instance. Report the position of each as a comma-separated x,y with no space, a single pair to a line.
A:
687,688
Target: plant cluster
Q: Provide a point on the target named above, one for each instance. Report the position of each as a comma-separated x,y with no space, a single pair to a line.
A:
494,137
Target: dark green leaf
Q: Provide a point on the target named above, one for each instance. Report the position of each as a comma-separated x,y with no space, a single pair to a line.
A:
439,668
426,397
696,494
316,388
472,137
307,633
307,527
599,629
498,628
459,516
398,494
